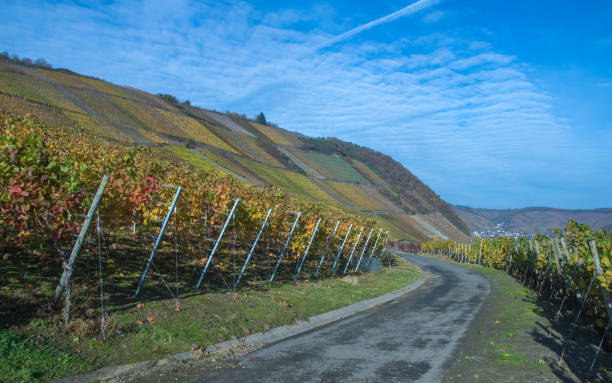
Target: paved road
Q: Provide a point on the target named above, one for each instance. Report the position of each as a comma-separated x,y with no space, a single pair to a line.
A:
412,339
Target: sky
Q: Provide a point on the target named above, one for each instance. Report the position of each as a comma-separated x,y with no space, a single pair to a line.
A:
493,104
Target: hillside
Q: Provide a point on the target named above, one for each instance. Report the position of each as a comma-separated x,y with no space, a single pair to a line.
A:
533,219
327,170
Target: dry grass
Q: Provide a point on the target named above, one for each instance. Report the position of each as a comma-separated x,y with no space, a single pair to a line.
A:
351,280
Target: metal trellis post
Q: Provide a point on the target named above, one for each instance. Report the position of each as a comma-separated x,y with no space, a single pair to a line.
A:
280,258
327,248
384,247
348,262
364,249
375,244
341,248
246,263
314,232
214,250
158,240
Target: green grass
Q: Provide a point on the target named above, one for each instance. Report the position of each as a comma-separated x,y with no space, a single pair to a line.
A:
26,360
330,166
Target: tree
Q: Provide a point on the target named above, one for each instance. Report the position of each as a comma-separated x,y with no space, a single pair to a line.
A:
42,63
168,97
261,119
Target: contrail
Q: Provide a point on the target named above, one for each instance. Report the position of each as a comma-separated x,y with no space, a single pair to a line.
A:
408,10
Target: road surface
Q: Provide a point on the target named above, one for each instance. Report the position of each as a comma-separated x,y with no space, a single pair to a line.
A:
412,339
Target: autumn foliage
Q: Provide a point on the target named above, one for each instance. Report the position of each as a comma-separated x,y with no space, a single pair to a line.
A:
48,175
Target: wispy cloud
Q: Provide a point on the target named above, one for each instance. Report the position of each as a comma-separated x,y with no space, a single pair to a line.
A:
433,17
406,11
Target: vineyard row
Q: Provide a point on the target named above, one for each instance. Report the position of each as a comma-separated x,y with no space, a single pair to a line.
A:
572,268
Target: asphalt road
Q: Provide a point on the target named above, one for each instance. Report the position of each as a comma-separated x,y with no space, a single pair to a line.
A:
412,339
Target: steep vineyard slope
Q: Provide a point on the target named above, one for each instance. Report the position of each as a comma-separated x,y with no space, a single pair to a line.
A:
326,170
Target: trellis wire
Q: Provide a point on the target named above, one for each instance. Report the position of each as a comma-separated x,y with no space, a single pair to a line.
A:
99,235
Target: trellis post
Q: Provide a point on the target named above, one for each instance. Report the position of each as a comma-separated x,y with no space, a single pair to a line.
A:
331,239
384,247
280,258
578,291
76,249
314,232
606,296
599,271
375,244
348,262
561,270
341,248
537,258
246,262
364,249
214,250
158,240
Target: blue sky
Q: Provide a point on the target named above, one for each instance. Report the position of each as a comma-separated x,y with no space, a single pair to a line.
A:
493,104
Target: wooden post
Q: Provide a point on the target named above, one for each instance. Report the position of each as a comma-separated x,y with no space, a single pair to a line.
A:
599,271
555,251
562,269
535,270
68,266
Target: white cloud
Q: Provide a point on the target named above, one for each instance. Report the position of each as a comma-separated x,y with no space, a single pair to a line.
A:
433,17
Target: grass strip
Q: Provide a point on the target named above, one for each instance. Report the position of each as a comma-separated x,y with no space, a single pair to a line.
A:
516,339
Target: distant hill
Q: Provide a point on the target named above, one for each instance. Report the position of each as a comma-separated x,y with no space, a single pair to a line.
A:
533,219
327,170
